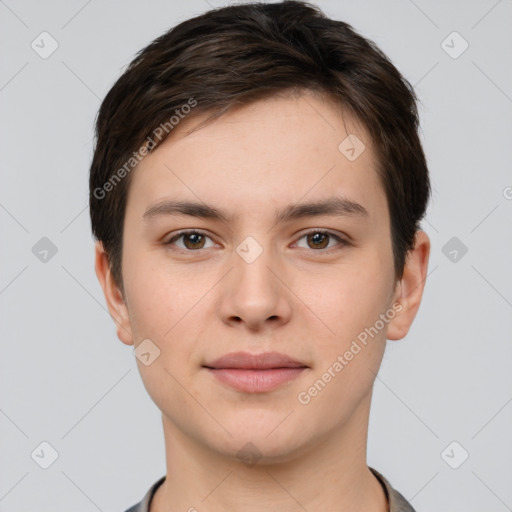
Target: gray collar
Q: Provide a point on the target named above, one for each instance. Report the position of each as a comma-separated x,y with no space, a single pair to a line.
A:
397,503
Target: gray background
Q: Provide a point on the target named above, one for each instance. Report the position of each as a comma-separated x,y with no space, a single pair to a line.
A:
67,380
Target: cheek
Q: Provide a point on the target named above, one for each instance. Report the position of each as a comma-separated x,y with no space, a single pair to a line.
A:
158,295
350,350
346,300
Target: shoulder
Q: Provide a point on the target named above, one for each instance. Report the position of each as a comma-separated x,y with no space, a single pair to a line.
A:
143,505
397,503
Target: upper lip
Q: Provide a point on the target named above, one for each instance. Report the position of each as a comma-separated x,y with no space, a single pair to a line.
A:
248,361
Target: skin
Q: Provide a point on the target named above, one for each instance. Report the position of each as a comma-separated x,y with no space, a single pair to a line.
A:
305,298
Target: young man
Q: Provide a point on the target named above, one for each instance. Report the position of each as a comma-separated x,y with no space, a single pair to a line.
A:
255,193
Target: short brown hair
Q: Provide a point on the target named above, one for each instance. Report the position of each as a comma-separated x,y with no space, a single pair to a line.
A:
238,54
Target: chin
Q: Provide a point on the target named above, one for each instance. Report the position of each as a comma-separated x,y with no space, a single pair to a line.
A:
260,443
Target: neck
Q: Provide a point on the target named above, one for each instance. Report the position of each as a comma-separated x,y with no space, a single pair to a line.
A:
329,474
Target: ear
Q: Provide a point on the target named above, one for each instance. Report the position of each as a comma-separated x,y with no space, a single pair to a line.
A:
409,289
113,296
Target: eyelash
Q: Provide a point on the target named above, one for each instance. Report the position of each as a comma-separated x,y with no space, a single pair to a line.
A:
177,236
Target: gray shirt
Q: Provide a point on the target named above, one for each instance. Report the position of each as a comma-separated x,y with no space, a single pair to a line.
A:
397,503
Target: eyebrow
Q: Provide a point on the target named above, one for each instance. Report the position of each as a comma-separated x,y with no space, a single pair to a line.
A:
330,206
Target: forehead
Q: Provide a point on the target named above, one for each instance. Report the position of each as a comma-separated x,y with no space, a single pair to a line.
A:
270,152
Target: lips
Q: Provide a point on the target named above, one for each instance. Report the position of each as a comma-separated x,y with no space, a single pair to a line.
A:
247,361
255,373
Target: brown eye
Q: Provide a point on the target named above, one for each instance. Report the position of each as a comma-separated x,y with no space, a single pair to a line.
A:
192,241
318,240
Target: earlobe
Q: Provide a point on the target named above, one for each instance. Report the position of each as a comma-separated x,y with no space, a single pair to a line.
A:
113,296
409,290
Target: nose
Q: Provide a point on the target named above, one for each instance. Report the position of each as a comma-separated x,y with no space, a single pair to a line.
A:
254,293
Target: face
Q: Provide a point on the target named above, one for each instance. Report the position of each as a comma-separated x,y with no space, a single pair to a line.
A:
252,270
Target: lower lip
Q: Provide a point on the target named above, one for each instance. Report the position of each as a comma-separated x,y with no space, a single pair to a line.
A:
256,381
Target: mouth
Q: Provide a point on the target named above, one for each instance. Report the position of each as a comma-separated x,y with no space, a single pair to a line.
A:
255,373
